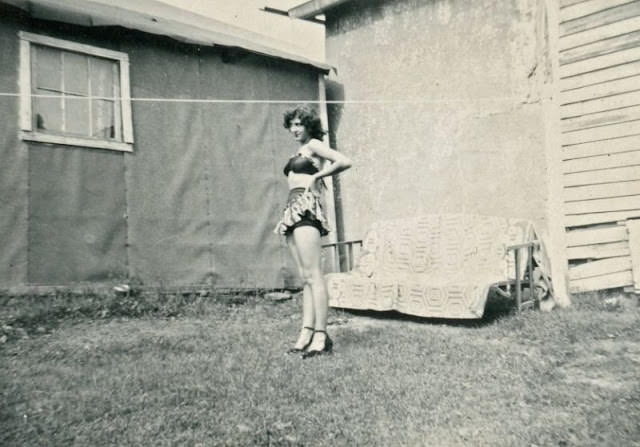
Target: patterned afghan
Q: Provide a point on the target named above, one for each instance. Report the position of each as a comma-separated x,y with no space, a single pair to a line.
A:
440,265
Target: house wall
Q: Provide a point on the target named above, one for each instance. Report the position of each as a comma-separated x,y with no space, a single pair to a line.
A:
458,126
14,163
195,202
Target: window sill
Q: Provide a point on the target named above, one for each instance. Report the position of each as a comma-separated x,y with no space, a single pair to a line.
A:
76,141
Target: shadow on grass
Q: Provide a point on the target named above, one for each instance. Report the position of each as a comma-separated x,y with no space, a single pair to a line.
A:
496,309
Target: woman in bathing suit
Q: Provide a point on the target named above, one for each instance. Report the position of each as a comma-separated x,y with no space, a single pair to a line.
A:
303,223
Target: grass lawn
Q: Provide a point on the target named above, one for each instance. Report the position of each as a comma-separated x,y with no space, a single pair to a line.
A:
219,376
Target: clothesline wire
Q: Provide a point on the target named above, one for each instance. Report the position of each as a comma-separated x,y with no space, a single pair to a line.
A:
268,101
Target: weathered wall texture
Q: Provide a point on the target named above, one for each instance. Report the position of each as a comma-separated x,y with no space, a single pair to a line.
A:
460,124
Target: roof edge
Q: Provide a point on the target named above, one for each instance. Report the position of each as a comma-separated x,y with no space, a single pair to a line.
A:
312,8
162,19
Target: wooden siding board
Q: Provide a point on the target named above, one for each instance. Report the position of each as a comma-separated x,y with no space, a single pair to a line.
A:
602,235
604,17
599,251
615,145
590,192
607,205
587,8
602,90
599,218
600,33
612,175
600,62
610,281
598,119
600,105
600,162
566,3
621,71
600,267
601,133
600,48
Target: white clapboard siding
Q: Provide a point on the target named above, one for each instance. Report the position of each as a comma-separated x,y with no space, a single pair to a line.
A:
604,89
597,34
567,3
601,133
633,226
609,281
599,105
606,190
601,235
599,71
599,268
601,18
600,62
578,220
599,251
587,8
600,48
601,119
610,204
614,145
611,175
599,162
621,71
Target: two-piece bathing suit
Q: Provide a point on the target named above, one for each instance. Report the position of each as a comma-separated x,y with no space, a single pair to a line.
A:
303,208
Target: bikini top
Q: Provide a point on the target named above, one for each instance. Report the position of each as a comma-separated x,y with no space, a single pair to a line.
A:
300,165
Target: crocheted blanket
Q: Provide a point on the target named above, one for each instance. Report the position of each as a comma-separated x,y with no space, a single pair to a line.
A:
439,265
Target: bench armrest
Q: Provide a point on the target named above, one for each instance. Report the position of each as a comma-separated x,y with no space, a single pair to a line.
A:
334,244
343,254
533,244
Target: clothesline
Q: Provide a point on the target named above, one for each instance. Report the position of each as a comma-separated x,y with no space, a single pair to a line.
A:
271,101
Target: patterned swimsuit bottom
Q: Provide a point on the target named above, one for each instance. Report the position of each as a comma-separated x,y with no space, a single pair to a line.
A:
303,209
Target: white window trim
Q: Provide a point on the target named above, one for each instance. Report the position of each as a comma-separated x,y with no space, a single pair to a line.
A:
28,134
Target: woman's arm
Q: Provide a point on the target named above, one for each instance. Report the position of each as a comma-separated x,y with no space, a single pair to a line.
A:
339,162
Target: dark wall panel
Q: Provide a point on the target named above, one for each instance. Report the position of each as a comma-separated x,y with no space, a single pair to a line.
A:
13,163
77,227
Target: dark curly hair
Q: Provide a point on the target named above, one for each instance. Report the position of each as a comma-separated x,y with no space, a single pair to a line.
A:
309,119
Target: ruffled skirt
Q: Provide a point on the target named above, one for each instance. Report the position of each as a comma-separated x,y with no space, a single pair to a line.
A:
303,208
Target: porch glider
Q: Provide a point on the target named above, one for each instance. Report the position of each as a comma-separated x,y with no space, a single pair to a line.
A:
444,266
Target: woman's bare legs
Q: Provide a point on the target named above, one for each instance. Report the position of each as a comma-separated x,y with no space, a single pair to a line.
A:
308,314
307,245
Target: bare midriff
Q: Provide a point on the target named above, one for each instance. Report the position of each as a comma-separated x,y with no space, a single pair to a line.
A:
300,181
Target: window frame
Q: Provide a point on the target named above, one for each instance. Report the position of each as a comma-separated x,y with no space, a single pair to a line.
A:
27,133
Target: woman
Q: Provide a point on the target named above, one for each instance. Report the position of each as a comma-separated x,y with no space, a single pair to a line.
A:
303,223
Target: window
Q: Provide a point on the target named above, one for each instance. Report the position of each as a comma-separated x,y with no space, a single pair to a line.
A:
74,94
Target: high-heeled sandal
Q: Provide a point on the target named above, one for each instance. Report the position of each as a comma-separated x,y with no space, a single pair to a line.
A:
327,349
299,350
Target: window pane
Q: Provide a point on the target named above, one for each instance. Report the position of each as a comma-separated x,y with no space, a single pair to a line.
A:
76,113
83,94
76,79
103,119
47,112
47,68
102,78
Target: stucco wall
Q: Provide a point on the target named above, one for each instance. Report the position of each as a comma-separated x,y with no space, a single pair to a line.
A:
459,123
